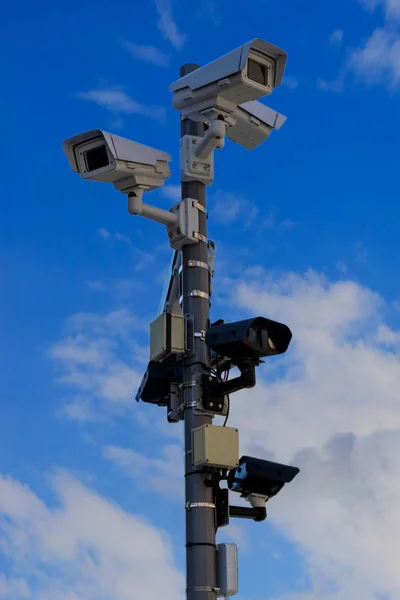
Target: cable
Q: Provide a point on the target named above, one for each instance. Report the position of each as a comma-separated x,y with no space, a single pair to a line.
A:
227,412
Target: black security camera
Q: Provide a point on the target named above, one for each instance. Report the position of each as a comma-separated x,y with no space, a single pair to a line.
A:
250,339
156,383
260,477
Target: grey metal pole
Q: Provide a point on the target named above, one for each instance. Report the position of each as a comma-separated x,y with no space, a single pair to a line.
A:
199,499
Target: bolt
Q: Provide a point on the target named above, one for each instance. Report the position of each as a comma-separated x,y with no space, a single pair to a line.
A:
211,403
206,167
195,165
194,141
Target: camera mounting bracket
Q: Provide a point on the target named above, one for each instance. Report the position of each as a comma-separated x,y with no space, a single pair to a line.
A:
197,153
181,220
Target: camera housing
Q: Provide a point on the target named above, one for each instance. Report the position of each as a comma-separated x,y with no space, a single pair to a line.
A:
155,387
260,478
250,339
247,73
101,156
253,124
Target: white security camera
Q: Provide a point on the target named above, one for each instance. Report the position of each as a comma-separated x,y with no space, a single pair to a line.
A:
102,156
253,124
247,73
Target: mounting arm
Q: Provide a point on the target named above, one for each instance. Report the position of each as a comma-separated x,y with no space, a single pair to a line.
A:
242,512
214,138
247,379
137,207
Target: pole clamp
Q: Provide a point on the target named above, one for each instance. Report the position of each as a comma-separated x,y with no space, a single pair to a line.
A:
200,264
187,384
215,590
200,237
200,207
200,334
184,227
195,294
190,505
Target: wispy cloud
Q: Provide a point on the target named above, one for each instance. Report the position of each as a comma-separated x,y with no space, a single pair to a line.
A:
208,10
167,25
84,547
378,61
391,7
172,192
95,361
162,475
290,82
338,406
336,37
107,235
104,233
230,208
336,85
148,54
118,101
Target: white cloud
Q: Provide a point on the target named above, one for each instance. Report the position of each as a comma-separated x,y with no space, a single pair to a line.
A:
378,61
334,413
162,474
337,85
230,208
118,101
336,37
85,548
330,406
387,336
147,54
167,25
290,82
390,7
96,360
104,233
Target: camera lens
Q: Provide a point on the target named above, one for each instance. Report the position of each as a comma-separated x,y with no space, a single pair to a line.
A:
96,158
257,72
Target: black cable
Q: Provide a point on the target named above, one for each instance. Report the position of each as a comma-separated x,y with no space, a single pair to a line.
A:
227,412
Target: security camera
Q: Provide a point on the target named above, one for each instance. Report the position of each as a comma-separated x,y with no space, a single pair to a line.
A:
155,387
250,339
259,479
253,123
247,73
101,156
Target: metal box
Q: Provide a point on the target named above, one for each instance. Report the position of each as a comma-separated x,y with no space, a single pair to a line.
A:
167,336
216,446
227,569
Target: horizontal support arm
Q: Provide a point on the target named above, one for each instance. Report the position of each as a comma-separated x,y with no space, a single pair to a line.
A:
242,512
247,379
137,207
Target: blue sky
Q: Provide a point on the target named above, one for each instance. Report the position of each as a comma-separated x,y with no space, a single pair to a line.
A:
306,229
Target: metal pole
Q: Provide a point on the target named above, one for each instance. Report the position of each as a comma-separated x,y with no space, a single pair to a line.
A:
199,499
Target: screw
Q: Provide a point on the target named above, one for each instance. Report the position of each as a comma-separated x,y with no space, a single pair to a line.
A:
194,141
195,165
211,403
206,167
